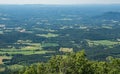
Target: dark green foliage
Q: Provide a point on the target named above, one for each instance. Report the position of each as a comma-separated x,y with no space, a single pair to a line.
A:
74,64
29,59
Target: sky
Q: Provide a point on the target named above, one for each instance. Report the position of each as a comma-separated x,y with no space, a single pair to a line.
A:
59,1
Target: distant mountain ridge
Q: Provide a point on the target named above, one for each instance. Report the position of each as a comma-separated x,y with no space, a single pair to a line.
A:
109,16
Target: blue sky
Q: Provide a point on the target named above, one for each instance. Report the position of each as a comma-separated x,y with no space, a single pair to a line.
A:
59,1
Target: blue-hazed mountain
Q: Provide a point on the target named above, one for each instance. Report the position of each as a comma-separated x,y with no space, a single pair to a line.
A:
109,16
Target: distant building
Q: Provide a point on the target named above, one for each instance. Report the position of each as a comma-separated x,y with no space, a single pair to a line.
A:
23,30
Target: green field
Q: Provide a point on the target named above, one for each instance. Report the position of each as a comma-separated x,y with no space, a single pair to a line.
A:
48,35
30,49
49,44
4,57
23,52
102,42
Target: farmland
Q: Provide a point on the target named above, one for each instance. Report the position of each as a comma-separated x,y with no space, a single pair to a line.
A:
40,32
103,42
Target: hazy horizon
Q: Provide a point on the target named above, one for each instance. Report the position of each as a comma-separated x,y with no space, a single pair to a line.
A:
60,2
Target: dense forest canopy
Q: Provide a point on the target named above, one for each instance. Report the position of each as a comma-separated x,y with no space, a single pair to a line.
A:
73,63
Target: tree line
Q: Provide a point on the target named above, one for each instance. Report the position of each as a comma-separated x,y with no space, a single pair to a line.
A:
73,63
